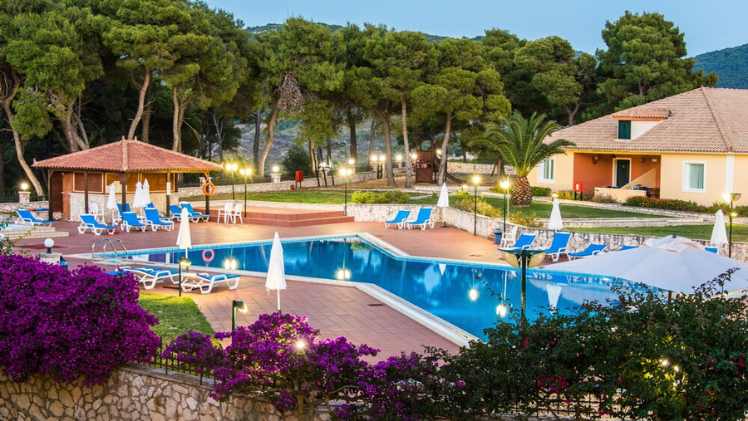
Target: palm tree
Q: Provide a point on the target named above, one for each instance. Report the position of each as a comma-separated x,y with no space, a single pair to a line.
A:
520,142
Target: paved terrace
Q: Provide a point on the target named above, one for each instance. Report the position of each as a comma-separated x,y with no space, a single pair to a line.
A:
335,310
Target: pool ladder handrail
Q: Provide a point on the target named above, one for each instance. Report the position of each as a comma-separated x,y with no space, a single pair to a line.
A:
114,243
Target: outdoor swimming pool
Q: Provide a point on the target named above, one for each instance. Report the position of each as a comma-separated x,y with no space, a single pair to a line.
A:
468,295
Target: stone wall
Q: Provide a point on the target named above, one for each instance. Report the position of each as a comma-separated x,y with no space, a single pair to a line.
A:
457,167
130,394
268,187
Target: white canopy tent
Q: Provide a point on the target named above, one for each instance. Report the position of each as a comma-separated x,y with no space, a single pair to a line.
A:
670,263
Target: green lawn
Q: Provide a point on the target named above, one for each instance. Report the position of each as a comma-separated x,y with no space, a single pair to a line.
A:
176,315
543,210
699,232
537,209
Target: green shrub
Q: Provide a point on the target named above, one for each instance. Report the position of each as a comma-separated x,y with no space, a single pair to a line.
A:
603,198
541,191
465,201
524,219
297,158
384,197
667,204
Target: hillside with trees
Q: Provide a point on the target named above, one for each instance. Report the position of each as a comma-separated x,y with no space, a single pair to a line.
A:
730,64
178,74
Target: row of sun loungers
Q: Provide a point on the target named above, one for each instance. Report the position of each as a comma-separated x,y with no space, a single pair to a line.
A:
401,220
127,220
149,277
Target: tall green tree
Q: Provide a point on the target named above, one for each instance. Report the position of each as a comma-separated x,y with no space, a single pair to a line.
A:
139,37
645,60
56,49
401,60
466,92
521,144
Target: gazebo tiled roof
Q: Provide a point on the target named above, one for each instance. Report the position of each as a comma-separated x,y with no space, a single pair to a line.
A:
128,156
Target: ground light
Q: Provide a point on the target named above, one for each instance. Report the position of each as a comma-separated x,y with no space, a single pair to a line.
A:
475,179
49,243
231,168
730,199
184,266
504,185
24,186
300,345
236,305
245,172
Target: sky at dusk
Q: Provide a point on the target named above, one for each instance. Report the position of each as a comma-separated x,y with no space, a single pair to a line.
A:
708,25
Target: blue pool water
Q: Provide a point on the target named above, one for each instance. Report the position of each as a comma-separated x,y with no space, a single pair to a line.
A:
465,294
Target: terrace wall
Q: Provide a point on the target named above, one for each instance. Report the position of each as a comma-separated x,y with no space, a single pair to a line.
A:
130,394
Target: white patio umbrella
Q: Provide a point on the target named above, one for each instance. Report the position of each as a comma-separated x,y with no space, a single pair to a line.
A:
137,200
443,201
276,276
670,263
111,200
184,238
554,293
146,193
719,232
556,223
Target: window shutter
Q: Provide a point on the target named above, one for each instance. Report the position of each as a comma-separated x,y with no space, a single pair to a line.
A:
624,129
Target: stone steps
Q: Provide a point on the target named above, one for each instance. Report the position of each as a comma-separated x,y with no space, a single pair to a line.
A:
16,232
285,217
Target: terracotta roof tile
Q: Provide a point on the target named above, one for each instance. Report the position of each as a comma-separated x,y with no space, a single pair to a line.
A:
128,156
701,120
645,113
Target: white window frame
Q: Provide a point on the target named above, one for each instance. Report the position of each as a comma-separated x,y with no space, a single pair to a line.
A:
615,169
686,176
541,171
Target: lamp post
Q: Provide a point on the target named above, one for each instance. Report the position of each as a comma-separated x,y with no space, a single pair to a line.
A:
245,172
399,159
230,168
523,260
504,185
475,179
380,168
236,305
731,198
345,173
184,266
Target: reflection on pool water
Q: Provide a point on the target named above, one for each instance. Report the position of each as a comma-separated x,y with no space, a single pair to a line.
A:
471,296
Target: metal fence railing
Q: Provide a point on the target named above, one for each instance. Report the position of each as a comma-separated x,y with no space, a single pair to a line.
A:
170,364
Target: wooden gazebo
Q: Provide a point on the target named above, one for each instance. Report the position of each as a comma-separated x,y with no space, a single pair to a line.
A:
76,180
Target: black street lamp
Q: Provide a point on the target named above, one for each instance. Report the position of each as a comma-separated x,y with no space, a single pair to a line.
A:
236,305
345,173
475,179
504,184
523,256
246,172
731,198
230,168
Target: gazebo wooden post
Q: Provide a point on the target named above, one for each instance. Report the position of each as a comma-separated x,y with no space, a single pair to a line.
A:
123,182
85,192
50,213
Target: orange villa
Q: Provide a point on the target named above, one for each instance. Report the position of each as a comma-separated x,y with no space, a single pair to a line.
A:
692,146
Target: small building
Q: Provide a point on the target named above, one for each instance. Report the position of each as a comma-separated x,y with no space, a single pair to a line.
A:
76,181
692,146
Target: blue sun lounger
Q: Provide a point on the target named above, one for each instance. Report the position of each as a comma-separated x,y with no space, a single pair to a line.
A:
150,276
423,219
398,220
524,241
591,250
711,249
153,219
195,216
25,216
559,245
89,223
626,247
130,221
206,281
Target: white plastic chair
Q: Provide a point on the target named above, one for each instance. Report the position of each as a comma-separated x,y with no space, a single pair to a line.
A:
226,212
237,213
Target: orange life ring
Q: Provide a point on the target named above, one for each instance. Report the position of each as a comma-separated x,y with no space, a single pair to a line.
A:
209,189
208,255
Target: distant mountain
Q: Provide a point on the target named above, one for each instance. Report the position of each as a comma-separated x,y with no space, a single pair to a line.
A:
730,64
